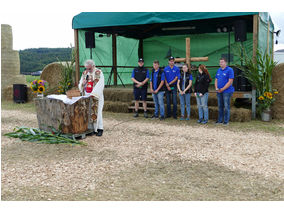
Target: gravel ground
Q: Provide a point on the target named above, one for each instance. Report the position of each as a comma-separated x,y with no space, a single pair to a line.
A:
138,159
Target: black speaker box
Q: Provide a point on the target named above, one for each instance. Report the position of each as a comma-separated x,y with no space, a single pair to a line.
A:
20,93
90,39
240,83
240,30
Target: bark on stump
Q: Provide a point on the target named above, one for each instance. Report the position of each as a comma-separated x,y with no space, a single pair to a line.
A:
73,119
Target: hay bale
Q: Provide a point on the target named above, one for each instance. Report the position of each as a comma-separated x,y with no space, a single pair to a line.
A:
10,60
116,106
240,114
277,83
122,95
8,94
52,73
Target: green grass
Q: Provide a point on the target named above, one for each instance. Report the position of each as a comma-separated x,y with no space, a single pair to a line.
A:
10,105
30,78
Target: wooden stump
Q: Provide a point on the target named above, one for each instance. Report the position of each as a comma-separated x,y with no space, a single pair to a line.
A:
73,119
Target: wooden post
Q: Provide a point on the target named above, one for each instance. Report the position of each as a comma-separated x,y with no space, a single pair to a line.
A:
187,41
255,36
114,59
255,46
268,31
77,61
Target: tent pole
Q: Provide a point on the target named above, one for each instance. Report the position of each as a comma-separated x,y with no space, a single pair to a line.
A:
140,53
114,59
268,31
255,36
229,46
77,65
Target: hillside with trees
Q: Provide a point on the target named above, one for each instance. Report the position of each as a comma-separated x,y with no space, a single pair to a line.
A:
36,59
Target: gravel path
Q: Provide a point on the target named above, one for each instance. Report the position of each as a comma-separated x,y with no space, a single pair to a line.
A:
143,160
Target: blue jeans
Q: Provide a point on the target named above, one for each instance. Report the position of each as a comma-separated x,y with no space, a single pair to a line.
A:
224,100
185,99
159,103
202,104
171,97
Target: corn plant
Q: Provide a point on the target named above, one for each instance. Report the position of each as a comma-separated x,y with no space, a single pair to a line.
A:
40,136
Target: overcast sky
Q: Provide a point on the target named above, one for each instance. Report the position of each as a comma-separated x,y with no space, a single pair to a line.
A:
49,23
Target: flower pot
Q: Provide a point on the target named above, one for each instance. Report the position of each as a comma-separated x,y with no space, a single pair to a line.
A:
266,115
39,95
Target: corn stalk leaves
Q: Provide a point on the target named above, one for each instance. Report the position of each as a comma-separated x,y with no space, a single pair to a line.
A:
40,136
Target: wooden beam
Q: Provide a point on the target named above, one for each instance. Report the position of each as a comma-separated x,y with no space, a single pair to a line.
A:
194,59
187,56
77,61
268,31
114,59
255,36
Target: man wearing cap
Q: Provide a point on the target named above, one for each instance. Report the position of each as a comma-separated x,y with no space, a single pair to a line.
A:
171,73
140,77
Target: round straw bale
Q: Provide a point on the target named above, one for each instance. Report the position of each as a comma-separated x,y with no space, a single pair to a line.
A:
52,73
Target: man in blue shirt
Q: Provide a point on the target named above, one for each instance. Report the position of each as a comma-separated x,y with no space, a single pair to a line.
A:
157,88
171,73
140,77
223,85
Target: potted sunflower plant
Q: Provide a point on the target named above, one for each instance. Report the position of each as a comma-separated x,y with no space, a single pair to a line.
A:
259,74
39,87
265,100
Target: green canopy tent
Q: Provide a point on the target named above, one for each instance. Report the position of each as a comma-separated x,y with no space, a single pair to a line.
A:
122,37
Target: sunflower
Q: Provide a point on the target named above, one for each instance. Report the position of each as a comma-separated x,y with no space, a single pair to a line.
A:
41,89
265,94
269,95
261,98
276,92
34,88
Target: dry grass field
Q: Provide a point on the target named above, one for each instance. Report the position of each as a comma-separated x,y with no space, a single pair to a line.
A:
144,159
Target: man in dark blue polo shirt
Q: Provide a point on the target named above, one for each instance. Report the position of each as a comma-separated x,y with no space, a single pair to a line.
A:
157,88
171,73
223,85
140,77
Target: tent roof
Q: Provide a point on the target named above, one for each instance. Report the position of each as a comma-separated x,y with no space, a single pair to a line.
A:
146,24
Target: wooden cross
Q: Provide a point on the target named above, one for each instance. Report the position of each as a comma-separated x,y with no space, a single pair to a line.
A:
187,59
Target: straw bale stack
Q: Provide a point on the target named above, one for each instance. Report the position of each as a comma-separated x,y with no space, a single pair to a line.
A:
113,94
278,83
10,61
117,106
